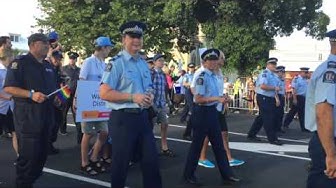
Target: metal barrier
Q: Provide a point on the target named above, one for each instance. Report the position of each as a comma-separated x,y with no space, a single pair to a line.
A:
245,99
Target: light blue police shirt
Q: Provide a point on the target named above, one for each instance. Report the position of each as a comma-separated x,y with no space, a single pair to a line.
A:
220,86
188,78
196,74
127,74
281,85
300,84
322,88
206,85
268,78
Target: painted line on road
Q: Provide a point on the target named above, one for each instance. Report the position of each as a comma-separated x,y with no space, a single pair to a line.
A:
77,177
233,133
261,152
243,134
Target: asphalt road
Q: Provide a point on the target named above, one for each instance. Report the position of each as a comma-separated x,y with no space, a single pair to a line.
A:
266,165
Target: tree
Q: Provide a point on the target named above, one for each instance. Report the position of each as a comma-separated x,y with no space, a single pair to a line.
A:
245,29
80,21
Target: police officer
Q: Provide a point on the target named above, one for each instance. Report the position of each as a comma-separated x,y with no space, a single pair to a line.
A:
29,79
189,100
124,86
71,71
205,121
267,86
320,118
280,71
55,60
299,85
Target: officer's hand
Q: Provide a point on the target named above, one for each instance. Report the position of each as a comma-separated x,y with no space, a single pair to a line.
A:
222,100
148,101
139,99
331,166
277,89
39,97
74,104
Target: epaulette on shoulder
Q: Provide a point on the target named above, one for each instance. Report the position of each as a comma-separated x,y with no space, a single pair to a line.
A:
19,57
265,71
202,73
331,65
115,57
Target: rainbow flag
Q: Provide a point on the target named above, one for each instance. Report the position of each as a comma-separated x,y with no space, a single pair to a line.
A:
63,94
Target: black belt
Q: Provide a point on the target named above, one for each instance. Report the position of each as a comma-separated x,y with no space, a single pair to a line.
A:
131,110
201,105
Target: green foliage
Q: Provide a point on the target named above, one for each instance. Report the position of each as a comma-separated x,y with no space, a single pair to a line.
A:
244,30
79,22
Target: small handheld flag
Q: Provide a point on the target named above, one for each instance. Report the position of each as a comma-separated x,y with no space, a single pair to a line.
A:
62,94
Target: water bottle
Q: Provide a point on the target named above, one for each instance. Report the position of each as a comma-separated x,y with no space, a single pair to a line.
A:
149,91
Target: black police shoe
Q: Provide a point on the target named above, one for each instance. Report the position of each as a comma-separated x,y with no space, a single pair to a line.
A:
276,142
191,181
253,138
231,180
52,150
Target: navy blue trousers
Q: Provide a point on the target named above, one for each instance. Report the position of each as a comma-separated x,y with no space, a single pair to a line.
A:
205,123
316,176
129,131
279,113
300,109
32,123
266,118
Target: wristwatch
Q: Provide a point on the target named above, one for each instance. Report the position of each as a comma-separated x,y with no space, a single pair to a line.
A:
31,92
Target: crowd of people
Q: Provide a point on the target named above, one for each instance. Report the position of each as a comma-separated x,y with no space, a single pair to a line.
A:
141,92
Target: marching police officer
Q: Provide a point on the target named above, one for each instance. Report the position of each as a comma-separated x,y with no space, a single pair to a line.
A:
299,85
280,71
71,71
320,118
189,100
267,86
29,79
205,121
124,85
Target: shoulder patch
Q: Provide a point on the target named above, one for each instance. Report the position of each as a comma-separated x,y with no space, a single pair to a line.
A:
108,67
200,81
329,77
14,65
331,65
115,57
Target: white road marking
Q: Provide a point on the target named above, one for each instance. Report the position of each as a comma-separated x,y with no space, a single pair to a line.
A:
305,141
250,147
77,177
243,134
250,150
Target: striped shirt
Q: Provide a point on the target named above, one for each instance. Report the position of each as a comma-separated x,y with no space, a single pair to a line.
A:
159,85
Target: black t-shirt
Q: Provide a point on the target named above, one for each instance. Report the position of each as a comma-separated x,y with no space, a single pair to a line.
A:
71,76
27,73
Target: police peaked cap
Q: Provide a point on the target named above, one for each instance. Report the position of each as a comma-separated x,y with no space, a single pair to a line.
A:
210,54
304,68
133,28
331,35
272,60
73,55
280,68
